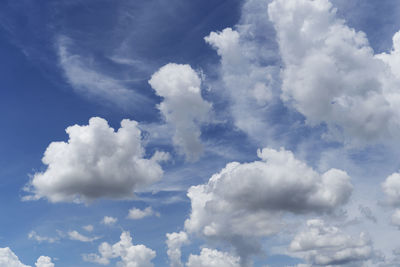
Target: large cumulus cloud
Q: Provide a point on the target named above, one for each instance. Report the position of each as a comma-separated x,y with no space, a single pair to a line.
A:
245,201
183,106
331,74
95,162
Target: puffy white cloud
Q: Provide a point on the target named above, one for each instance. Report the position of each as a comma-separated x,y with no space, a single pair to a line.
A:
174,244
130,255
396,218
328,245
91,82
75,235
391,188
33,235
96,162
108,220
44,261
136,214
183,106
245,201
331,74
212,258
9,259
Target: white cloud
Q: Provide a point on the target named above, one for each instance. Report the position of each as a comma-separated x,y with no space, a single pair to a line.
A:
88,228
96,162
44,261
33,235
212,258
83,76
396,218
130,255
183,106
75,235
328,245
331,74
136,214
245,201
391,188
9,259
174,244
108,220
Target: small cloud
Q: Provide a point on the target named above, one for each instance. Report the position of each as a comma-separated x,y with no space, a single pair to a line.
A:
75,235
33,235
107,220
136,214
88,228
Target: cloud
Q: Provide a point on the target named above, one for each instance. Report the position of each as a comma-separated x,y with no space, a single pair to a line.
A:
331,74
391,188
33,235
183,106
212,258
246,201
130,255
82,75
44,261
107,220
136,214
88,228
396,218
174,244
9,259
328,245
75,235
96,162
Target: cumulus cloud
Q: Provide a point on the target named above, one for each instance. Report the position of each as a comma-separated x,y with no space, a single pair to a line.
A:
83,76
174,243
331,74
212,258
108,220
183,106
396,218
249,68
96,162
75,235
328,245
88,228
136,214
391,188
245,201
44,261
130,255
9,259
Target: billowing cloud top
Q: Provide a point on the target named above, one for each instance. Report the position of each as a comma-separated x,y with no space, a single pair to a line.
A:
96,162
183,106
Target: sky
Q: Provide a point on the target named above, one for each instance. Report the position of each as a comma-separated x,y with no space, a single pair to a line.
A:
223,133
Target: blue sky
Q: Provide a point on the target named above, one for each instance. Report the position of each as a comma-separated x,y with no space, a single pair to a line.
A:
213,133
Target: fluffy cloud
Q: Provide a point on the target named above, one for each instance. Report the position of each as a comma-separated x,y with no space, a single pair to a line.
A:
183,106
174,244
96,162
391,188
396,218
107,220
212,258
247,200
75,235
136,214
44,261
130,255
327,245
88,228
9,259
331,74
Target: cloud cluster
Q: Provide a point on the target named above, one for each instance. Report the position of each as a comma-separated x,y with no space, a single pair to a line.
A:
136,214
44,261
212,258
96,162
75,235
245,201
183,106
108,220
130,255
331,74
174,244
9,259
327,245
